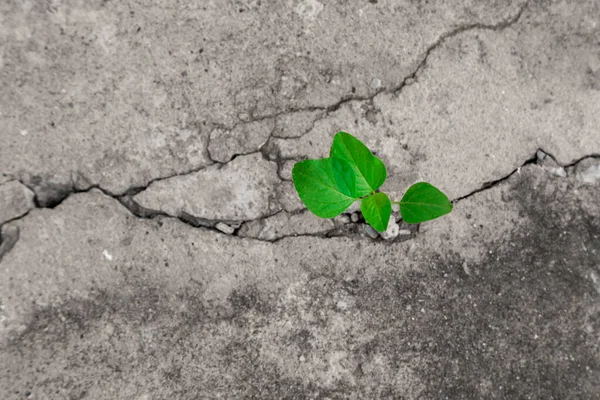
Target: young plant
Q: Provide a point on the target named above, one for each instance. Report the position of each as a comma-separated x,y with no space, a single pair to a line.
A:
328,186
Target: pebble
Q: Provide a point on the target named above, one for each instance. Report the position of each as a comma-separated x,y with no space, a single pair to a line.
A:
371,232
376,83
225,228
354,217
392,230
404,232
344,219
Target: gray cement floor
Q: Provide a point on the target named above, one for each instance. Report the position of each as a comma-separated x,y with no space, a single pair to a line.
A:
152,245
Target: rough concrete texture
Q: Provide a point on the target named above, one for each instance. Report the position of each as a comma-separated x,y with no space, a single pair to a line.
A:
15,201
288,197
156,308
152,245
243,189
284,224
243,139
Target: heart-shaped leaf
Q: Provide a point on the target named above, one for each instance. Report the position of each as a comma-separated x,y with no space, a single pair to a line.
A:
377,209
370,171
326,186
423,202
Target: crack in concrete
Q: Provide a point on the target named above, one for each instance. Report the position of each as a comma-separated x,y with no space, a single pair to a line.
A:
125,198
264,149
138,211
408,80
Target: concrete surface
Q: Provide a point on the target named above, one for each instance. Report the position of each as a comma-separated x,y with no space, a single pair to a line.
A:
152,246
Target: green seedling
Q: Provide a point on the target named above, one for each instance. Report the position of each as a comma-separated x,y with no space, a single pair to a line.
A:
328,186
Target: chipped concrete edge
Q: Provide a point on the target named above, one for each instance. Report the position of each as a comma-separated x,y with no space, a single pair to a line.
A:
9,234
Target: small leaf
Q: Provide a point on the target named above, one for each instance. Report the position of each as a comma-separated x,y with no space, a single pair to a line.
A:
423,202
370,171
377,209
326,186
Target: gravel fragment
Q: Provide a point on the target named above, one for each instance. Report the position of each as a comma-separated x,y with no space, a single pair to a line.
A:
392,230
225,228
371,232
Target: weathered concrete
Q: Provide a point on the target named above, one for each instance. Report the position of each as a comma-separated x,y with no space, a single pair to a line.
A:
140,308
243,139
284,224
126,92
288,197
199,110
243,189
482,105
15,200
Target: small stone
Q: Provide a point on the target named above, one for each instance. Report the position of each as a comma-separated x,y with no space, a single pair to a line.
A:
224,228
371,232
354,217
244,116
404,232
10,235
342,305
396,207
392,230
107,255
376,83
343,219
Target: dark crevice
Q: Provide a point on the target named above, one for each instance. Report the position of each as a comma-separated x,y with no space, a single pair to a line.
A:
491,184
532,160
196,222
126,198
579,160
132,191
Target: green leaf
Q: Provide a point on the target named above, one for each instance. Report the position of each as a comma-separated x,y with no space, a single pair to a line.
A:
370,171
377,209
423,202
326,186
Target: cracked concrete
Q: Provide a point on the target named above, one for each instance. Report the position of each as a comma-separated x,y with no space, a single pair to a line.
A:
15,201
243,189
152,244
